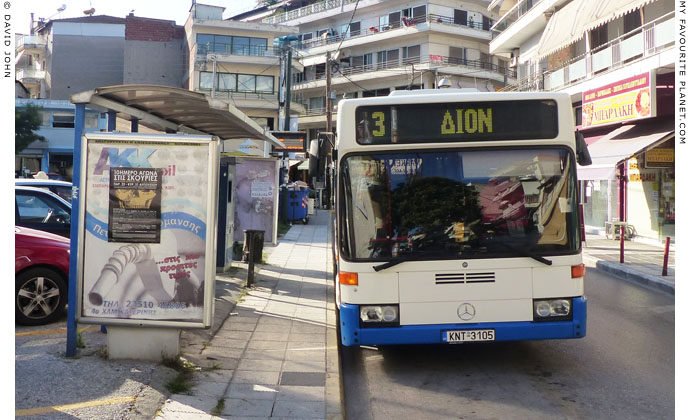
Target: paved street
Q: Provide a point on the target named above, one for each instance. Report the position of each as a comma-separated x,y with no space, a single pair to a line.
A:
623,369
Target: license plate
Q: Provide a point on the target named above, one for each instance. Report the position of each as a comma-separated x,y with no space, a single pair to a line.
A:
463,336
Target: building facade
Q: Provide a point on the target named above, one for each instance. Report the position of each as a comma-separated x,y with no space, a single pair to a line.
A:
377,46
66,56
239,63
615,59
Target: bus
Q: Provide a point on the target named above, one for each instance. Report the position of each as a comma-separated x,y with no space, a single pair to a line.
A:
457,218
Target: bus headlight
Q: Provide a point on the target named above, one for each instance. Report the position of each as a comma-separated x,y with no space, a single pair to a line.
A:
379,314
552,310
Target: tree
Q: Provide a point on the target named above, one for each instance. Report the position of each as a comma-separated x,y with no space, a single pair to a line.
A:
26,121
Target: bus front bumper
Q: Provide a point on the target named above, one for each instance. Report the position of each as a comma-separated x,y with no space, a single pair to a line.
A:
353,335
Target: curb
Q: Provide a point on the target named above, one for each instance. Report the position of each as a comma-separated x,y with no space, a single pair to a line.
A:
631,275
636,277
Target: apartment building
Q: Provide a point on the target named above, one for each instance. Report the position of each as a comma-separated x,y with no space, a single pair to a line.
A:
239,63
59,58
377,46
615,59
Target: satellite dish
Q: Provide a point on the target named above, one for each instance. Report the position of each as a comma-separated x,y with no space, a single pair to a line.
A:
90,12
62,8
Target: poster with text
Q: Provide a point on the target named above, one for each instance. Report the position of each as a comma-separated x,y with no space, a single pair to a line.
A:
145,229
135,205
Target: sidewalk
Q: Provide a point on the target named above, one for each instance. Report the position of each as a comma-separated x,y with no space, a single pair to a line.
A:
273,354
643,262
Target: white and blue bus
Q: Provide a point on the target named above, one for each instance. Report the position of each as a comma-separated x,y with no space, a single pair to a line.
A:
457,218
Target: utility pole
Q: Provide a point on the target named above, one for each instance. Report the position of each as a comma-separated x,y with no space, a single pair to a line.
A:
288,84
329,106
329,128
213,77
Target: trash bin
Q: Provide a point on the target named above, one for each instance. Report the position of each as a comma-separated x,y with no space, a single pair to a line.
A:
253,240
298,205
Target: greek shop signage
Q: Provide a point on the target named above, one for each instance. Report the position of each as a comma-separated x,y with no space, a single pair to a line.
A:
146,256
633,98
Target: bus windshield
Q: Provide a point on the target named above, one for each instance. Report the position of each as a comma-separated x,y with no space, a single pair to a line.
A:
449,204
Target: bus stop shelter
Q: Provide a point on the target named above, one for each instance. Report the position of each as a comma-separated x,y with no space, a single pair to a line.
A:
160,108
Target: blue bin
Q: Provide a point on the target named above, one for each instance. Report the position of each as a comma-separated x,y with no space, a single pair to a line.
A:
298,205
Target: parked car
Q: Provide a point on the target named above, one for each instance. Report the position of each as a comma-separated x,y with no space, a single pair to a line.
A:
61,188
38,208
41,275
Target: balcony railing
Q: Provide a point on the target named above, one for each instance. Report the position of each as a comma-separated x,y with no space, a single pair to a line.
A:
306,11
447,20
225,49
512,15
24,75
373,30
26,41
645,41
434,61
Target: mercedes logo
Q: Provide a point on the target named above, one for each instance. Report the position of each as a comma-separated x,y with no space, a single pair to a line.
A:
466,311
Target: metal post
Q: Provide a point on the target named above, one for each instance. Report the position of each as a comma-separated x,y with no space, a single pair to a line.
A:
112,121
328,92
135,125
664,271
213,77
288,87
622,244
71,350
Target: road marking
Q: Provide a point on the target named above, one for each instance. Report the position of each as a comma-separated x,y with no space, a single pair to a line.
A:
57,331
75,406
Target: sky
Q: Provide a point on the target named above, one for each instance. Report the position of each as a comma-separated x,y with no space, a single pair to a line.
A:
176,10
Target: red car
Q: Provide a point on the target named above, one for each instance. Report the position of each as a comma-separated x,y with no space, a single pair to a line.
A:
41,273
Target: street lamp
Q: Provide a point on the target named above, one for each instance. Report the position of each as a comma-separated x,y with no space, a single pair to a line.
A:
445,83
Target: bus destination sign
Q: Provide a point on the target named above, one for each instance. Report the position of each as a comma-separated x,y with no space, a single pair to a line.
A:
459,121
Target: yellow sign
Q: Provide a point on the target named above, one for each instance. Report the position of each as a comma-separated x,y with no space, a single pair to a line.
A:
467,121
660,158
629,99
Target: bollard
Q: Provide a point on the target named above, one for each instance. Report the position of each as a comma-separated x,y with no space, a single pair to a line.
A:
622,244
253,248
664,271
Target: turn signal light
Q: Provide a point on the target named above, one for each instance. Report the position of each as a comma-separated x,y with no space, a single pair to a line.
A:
349,279
578,270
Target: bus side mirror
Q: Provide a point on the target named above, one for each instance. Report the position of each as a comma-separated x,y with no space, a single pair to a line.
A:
318,154
581,150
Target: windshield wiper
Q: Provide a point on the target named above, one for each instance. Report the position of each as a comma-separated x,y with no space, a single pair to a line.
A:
415,256
526,253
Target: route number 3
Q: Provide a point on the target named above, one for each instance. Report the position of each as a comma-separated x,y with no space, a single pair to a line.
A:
378,117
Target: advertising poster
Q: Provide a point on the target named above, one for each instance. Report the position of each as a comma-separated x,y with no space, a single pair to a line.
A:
629,99
147,206
135,205
256,198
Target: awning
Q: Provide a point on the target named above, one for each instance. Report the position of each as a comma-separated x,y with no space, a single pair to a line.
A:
589,173
314,60
165,108
609,10
304,166
621,144
294,162
566,26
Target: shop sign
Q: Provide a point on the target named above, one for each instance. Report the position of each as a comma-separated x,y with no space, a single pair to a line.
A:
147,218
635,173
626,100
660,158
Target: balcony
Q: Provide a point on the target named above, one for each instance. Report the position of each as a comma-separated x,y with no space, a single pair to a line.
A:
644,42
254,100
448,65
31,42
30,75
515,13
319,7
474,29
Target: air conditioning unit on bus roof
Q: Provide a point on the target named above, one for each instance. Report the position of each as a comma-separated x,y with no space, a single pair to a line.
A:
425,91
